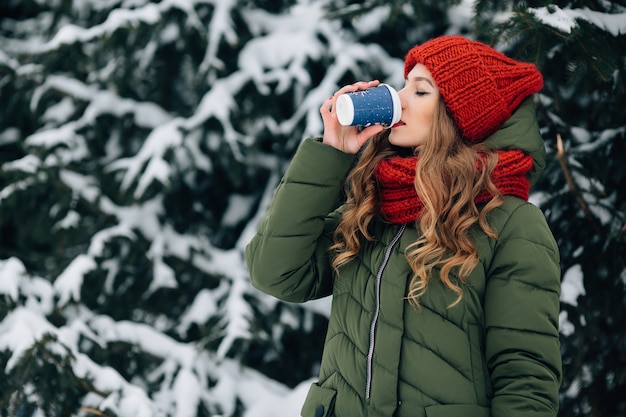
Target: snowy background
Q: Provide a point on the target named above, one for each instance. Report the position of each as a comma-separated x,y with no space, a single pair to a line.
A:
140,144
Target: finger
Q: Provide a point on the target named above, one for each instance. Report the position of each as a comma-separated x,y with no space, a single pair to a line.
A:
359,85
368,132
327,105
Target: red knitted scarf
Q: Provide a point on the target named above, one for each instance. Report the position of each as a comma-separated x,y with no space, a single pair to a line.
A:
401,204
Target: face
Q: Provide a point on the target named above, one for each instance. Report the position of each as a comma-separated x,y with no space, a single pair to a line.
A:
419,99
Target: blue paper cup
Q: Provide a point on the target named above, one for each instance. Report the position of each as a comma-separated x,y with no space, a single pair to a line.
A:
376,105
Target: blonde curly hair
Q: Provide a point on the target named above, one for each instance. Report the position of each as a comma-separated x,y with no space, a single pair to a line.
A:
447,181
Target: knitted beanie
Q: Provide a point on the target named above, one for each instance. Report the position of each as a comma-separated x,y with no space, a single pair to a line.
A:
480,86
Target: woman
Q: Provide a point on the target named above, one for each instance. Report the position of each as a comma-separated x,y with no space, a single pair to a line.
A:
445,280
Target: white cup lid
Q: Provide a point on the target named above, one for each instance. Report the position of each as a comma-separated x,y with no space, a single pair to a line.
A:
344,109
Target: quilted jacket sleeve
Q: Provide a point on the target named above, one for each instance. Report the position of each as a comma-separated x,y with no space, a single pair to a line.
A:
288,256
521,317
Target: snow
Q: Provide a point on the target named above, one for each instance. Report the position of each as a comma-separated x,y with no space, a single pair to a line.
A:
68,284
238,209
85,186
572,285
163,275
290,403
161,139
566,328
259,58
100,239
220,28
204,307
369,22
28,164
19,330
70,33
584,136
219,103
566,20
62,135
12,271
71,220
10,135
146,114
186,394
239,315
460,16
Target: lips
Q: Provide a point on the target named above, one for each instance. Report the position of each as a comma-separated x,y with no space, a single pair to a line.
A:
400,123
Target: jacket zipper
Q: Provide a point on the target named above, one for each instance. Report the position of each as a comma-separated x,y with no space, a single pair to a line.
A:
379,276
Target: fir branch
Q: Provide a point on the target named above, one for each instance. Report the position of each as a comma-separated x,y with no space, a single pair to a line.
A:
562,157
93,411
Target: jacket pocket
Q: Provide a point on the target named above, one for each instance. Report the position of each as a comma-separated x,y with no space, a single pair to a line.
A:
320,402
458,410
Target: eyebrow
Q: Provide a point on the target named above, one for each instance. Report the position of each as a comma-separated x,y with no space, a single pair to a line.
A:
423,79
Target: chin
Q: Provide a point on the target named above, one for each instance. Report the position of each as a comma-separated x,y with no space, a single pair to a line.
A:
400,142
394,138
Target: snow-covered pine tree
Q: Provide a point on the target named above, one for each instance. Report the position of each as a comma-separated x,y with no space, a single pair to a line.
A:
140,142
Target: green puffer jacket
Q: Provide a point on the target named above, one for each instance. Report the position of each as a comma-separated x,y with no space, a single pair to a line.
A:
494,354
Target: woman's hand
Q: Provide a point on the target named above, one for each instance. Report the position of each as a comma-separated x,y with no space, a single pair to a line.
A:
347,139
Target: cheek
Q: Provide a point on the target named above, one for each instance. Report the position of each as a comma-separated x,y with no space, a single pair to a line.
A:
429,117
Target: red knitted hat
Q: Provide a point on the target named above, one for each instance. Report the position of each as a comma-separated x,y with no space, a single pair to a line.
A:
481,86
